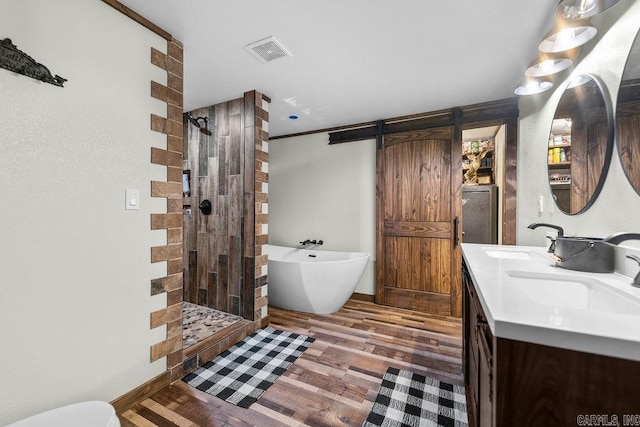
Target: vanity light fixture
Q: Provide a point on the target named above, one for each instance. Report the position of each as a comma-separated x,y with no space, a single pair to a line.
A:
567,35
547,64
533,86
581,9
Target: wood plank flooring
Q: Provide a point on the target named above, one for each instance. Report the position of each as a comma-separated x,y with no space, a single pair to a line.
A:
336,379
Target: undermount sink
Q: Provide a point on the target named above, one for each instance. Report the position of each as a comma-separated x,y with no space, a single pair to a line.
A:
577,292
506,254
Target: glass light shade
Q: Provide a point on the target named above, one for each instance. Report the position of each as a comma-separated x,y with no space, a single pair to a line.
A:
582,9
547,64
566,36
532,86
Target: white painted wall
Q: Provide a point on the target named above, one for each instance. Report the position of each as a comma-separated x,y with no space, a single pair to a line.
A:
618,206
327,192
75,294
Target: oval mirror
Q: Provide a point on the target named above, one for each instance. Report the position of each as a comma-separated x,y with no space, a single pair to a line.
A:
628,117
580,145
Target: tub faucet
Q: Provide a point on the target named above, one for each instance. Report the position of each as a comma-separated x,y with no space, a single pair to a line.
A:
311,242
636,281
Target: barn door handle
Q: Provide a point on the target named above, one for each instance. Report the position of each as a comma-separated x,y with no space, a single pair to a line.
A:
456,237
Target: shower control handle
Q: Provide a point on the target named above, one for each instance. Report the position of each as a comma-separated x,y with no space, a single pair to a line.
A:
205,207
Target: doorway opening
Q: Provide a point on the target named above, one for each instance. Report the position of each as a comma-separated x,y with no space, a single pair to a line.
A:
483,175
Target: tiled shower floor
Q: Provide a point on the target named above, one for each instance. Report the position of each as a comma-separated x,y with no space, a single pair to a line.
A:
200,322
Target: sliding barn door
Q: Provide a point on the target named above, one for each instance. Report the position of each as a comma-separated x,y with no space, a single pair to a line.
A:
419,180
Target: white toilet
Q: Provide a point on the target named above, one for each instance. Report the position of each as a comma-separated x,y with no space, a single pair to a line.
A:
83,414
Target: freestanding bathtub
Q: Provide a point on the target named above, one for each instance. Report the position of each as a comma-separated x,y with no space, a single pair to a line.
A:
311,280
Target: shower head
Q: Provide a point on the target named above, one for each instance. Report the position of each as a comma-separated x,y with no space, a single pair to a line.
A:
204,130
194,121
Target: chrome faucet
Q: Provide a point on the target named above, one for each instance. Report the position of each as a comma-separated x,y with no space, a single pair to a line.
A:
636,281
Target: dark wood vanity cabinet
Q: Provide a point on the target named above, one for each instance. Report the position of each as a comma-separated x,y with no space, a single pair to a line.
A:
512,382
478,358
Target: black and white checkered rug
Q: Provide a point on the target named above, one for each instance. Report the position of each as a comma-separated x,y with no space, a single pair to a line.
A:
241,374
406,399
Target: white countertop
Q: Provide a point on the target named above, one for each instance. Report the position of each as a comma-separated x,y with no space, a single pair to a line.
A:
526,297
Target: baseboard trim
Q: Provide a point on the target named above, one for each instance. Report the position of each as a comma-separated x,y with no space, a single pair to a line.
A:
363,297
140,393
265,321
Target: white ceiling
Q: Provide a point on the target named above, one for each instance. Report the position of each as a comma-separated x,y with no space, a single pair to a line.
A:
352,60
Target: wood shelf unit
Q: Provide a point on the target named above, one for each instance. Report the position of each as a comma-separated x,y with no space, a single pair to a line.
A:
486,168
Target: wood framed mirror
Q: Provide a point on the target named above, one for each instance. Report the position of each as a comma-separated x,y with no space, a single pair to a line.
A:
628,117
580,145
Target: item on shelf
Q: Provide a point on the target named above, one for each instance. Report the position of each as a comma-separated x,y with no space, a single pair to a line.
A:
477,154
475,147
560,178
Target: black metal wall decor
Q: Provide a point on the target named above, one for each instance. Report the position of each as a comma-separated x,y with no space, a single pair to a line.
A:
13,59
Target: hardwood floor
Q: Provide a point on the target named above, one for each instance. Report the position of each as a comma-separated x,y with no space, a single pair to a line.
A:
335,381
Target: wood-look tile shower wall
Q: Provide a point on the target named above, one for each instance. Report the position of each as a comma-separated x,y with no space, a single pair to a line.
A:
223,251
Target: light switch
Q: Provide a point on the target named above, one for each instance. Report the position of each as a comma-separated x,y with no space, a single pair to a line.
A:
132,199
540,204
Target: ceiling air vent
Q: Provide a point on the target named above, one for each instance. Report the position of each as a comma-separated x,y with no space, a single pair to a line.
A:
267,50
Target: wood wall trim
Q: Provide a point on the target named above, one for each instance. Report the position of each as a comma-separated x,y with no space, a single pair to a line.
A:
251,226
509,186
138,394
411,134
380,200
455,299
138,18
260,201
469,114
362,297
169,158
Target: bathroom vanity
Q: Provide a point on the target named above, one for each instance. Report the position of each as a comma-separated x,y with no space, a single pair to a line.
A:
545,346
